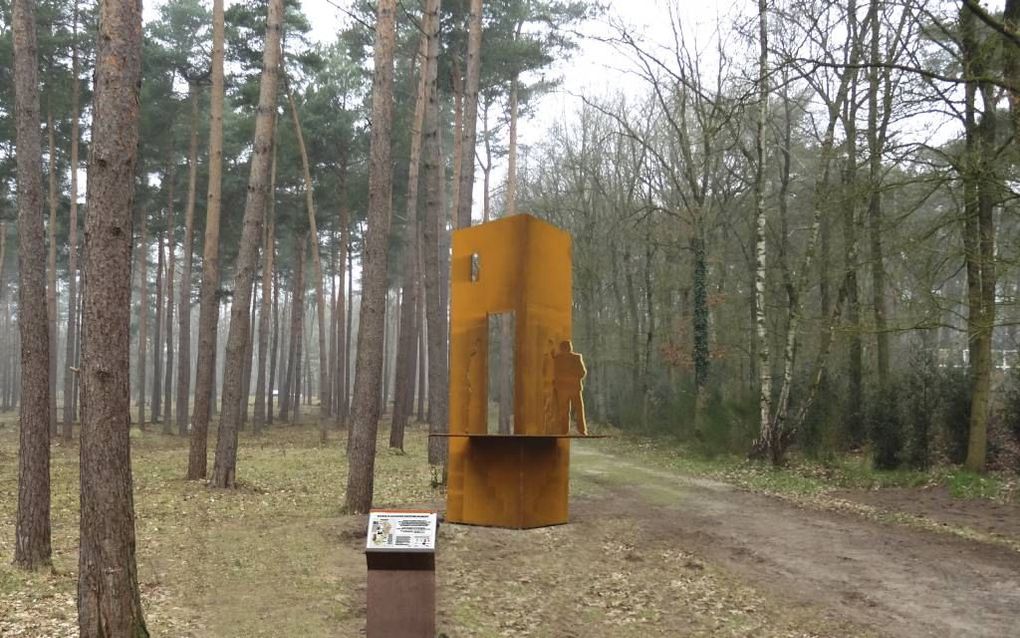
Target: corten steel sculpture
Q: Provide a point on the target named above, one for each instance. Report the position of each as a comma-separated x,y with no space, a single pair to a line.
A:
518,265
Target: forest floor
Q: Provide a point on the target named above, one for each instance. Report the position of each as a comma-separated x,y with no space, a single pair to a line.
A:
654,548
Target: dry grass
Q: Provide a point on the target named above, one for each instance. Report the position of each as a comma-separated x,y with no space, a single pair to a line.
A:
276,558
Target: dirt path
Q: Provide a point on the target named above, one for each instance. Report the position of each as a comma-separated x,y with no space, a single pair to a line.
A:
896,580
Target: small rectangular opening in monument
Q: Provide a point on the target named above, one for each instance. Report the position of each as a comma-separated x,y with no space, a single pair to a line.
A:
475,266
501,357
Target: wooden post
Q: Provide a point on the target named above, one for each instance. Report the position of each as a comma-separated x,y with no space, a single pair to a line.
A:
401,593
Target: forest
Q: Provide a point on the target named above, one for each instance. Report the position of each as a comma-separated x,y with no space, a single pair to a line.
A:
225,271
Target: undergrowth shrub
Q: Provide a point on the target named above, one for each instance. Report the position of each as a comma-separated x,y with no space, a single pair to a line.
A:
954,418
885,427
1004,427
921,393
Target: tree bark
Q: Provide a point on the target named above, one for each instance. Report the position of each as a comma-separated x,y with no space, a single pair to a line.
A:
187,257
70,344
875,143
267,306
249,346
238,337
273,348
471,83
422,345
331,336
171,242
209,296
511,171
51,274
365,403
457,82
108,599
487,169
157,334
289,407
32,531
343,305
769,437
320,297
980,186
349,336
407,342
143,317
431,232
853,417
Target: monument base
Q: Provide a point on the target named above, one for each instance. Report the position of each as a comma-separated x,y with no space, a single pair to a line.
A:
516,481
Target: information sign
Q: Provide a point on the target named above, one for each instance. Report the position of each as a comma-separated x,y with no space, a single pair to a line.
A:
401,531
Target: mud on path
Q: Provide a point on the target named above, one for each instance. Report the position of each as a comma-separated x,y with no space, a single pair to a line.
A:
893,579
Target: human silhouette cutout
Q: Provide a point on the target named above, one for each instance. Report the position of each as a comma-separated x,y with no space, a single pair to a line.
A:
568,370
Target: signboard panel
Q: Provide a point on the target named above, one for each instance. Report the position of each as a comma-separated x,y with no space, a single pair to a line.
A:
401,531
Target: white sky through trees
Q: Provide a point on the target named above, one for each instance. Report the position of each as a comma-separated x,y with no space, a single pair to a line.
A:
600,68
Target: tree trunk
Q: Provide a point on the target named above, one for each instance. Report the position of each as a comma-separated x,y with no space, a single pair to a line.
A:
854,417
407,342
331,337
268,305
70,343
876,141
487,169
157,334
75,395
511,171
320,297
108,599
422,345
273,348
774,437
343,305
51,275
457,82
209,297
32,531
699,320
286,359
371,324
249,345
300,349
171,241
143,317
225,466
769,437
184,309
431,232
471,84
348,338
289,408
980,194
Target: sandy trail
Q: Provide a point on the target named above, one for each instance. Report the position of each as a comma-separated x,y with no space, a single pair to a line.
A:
897,580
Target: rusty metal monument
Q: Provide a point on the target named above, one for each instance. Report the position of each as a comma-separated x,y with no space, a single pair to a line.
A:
519,268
